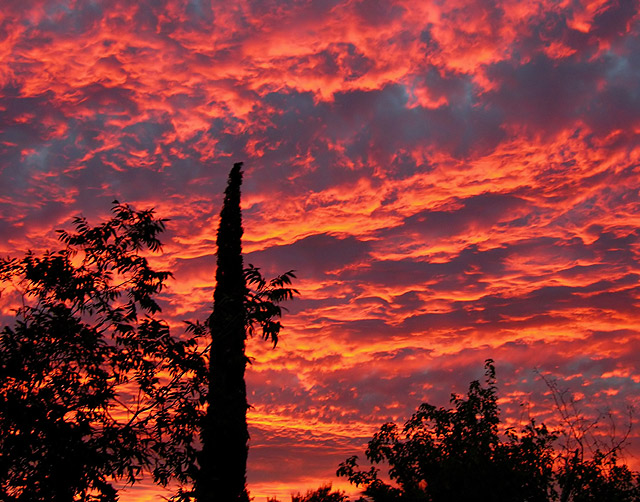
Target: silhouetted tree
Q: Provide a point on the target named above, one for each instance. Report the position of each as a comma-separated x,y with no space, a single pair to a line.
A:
225,436
236,311
457,454
587,456
93,388
460,454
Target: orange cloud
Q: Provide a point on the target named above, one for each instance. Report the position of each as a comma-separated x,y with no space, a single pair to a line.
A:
451,181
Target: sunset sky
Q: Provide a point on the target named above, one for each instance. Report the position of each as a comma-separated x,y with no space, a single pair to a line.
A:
451,180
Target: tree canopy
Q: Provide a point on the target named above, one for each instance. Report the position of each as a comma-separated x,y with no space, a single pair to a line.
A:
94,388
461,453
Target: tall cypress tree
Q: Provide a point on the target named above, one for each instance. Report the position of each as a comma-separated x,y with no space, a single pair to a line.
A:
223,458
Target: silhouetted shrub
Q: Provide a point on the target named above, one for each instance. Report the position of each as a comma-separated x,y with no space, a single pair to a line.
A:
322,494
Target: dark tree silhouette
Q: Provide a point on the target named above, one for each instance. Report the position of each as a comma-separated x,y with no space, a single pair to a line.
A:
236,312
225,437
93,388
460,454
457,454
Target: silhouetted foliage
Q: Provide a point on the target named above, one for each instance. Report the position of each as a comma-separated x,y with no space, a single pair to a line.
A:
91,383
587,457
322,494
461,454
600,479
93,387
263,302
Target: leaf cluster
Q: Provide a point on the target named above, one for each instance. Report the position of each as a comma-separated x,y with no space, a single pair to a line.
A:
263,299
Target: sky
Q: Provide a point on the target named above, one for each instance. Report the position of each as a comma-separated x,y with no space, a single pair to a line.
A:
451,180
